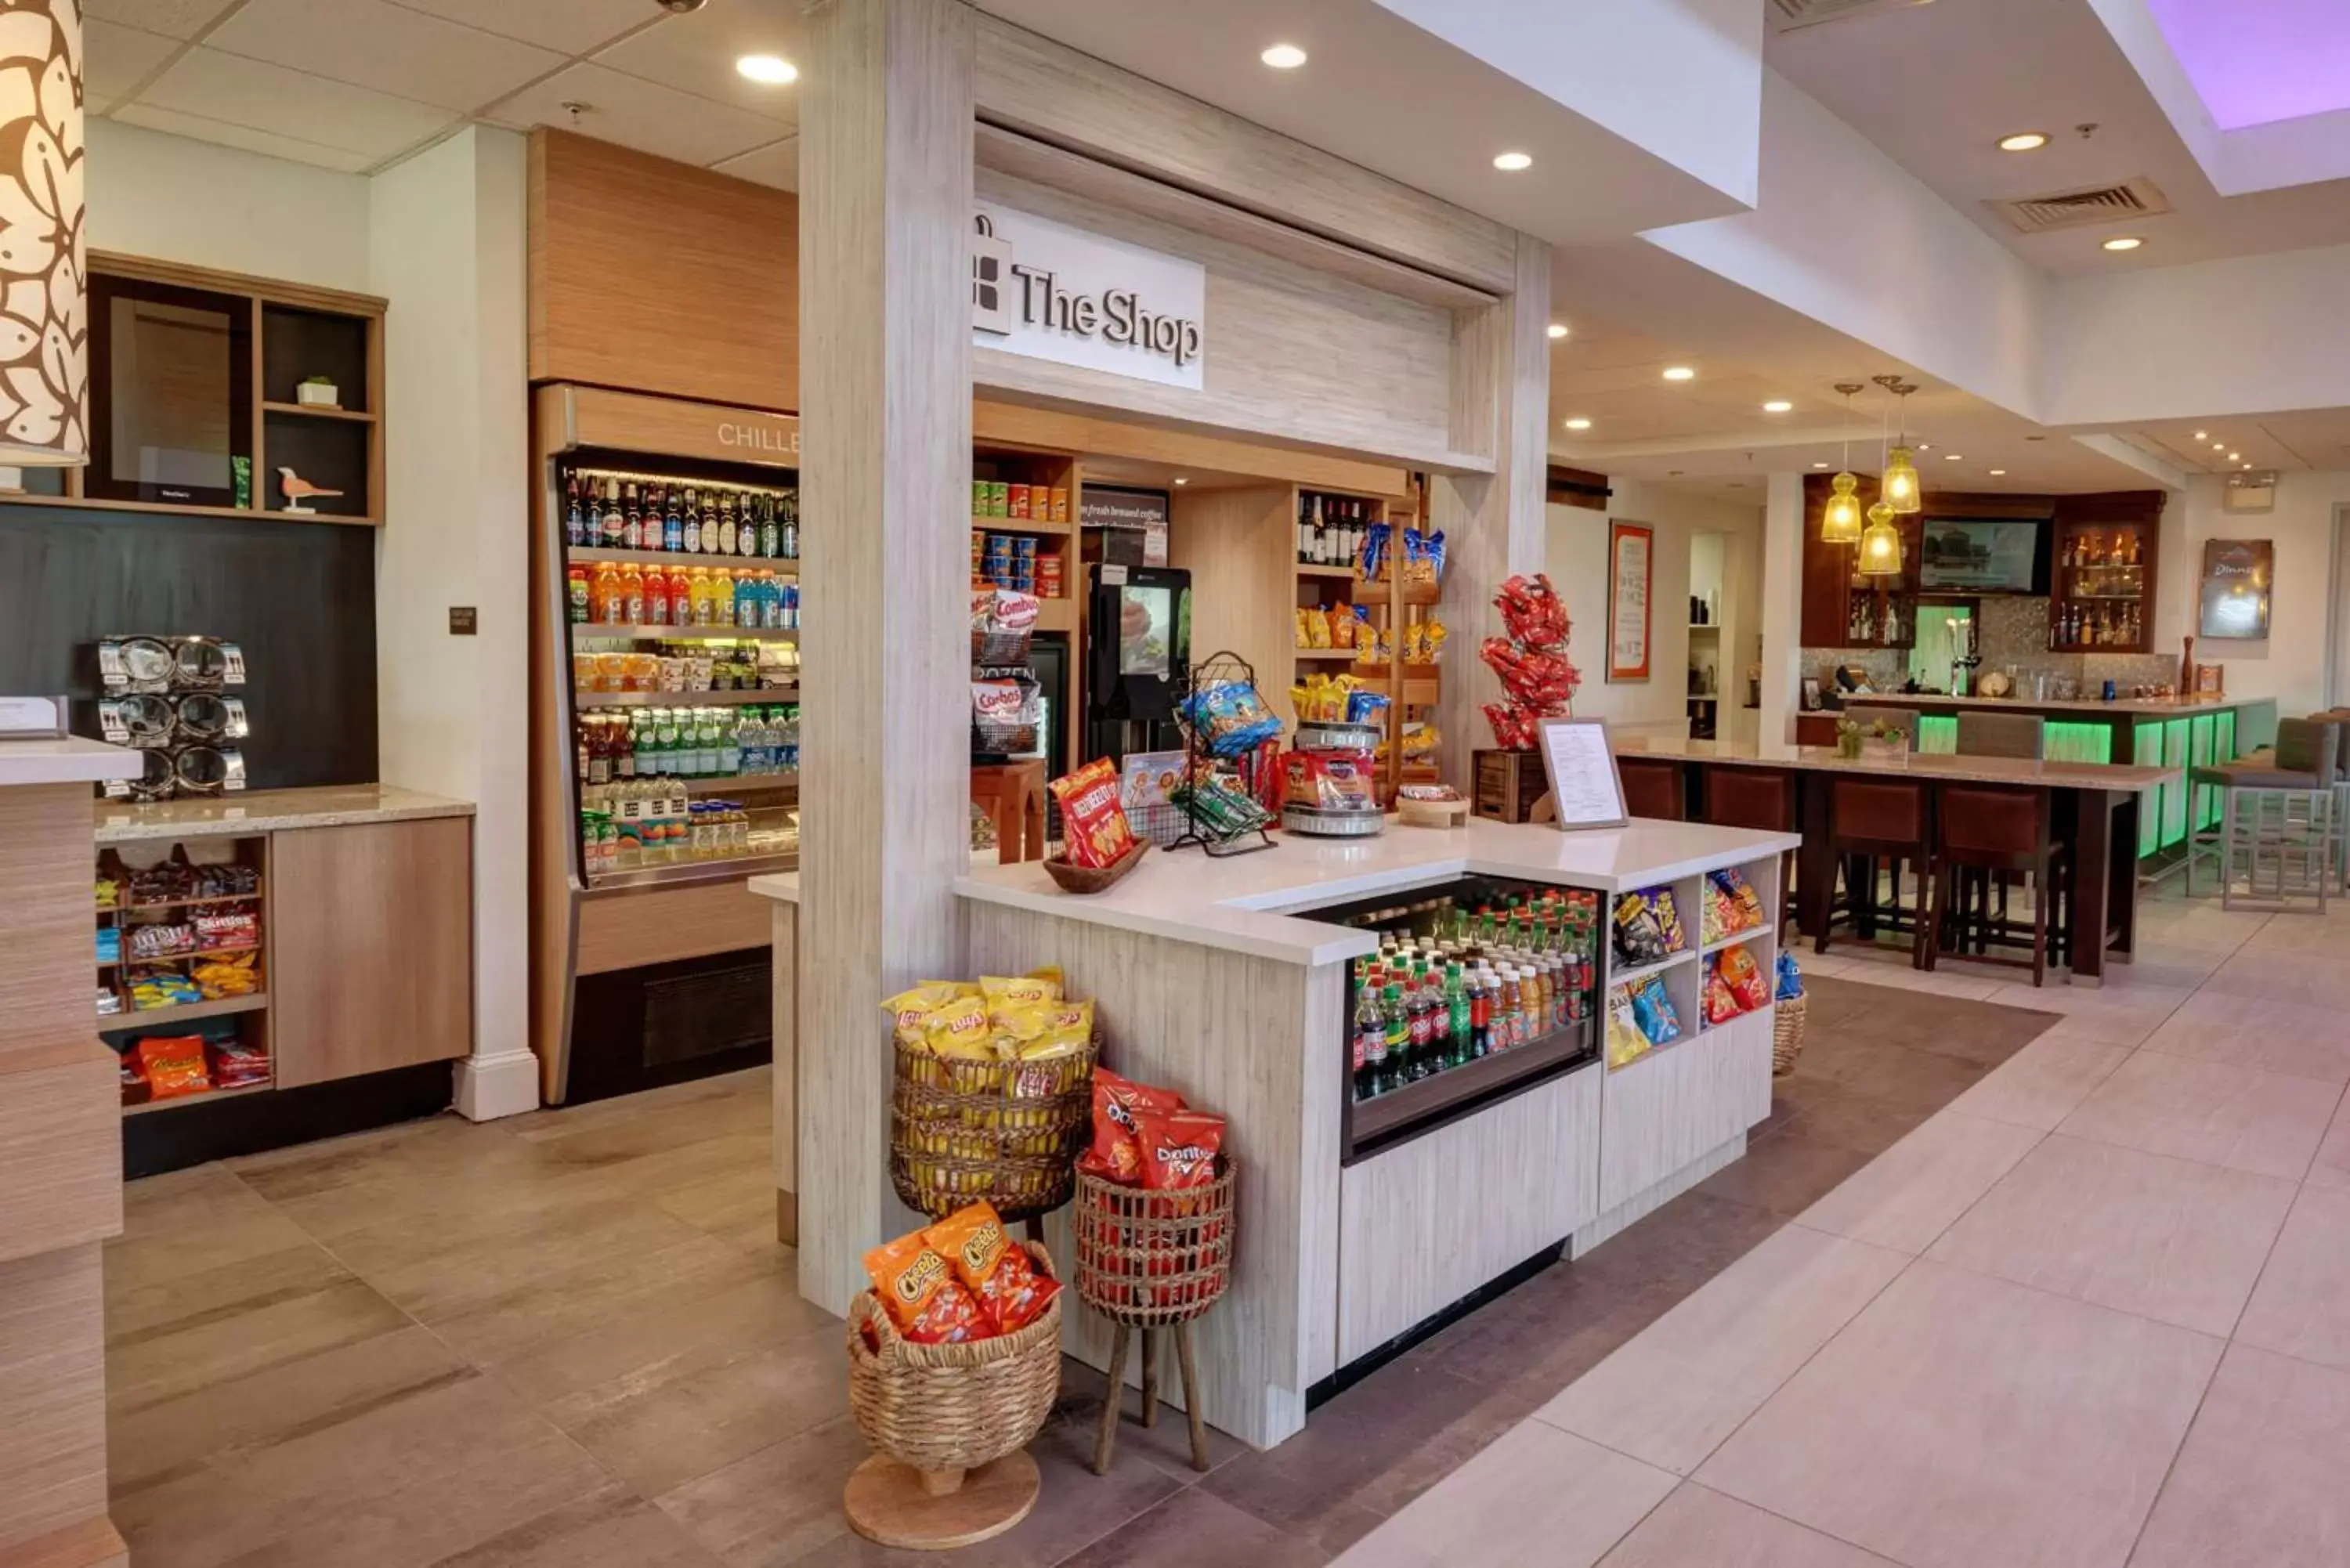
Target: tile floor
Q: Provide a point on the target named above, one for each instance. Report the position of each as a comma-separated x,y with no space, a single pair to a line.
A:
570,1338
2093,1310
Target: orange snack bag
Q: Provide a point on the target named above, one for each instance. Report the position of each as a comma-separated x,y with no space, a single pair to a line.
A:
175,1065
997,1271
1178,1147
1115,1155
924,1300
1094,831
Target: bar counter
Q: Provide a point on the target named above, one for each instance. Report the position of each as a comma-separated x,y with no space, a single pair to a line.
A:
1209,979
269,811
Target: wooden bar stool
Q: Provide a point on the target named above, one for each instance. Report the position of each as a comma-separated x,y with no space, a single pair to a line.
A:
1981,734
1874,819
1653,787
1992,829
1760,798
1012,795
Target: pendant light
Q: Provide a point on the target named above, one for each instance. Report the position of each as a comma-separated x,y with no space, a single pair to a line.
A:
44,306
1881,541
1901,486
1840,519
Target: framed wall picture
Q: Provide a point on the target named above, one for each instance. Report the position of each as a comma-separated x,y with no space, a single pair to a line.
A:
2239,576
1580,763
1631,571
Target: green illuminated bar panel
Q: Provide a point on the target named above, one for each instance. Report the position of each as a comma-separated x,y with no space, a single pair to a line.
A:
2174,794
2201,735
1939,733
2146,751
2078,742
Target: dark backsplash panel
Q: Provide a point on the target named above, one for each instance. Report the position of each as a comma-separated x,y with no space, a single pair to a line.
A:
299,596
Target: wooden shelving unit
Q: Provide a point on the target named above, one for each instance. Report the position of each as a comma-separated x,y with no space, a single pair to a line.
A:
1392,605
746,698
2103,584
251,1009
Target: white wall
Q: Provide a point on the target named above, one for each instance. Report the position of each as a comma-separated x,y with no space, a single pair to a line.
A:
175,200
1576,560
451,254
2291,665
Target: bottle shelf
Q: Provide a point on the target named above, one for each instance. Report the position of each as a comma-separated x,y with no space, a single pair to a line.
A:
685,633
688,699
596,554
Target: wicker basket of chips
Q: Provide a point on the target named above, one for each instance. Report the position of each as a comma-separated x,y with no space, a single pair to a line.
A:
953,1407
1005,1130
1787,1034
1153,1259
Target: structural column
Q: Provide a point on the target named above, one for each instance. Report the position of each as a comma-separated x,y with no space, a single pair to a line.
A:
1493,525
885,475
1782,606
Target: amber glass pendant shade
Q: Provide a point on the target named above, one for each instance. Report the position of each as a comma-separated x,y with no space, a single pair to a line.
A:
1901,488
1840,519
1880,543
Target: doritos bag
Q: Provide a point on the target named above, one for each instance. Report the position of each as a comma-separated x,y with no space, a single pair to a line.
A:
1178,1147
1115,1155
925,1301
992,1266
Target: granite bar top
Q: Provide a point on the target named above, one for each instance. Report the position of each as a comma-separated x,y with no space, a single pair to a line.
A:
270,811
2156,707
1249,903
69,760
1909,765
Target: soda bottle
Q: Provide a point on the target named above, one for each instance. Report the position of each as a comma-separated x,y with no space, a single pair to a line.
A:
673,524
607,531
1398,1034
656,596
1370,1042
1474,983
1456,1017
582,601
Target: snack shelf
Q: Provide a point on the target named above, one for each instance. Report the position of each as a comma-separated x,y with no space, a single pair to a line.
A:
1634,976
1038,525
686,633
1345,574
1737,937
184,1013
195,1099
592,555
742,783
1319,655
253,897
733,699
690,873
1423,593
177,954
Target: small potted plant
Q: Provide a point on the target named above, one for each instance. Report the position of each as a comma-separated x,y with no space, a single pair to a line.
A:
317,392
1875,739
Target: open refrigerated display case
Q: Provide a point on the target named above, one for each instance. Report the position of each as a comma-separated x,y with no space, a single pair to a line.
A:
666,721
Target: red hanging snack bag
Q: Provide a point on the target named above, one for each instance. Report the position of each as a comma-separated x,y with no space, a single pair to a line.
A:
995,1269
1178,1147
1115,1155
918,1290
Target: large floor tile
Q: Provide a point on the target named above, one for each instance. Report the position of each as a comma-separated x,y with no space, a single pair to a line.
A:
1785,1173
1961,1421
2043,1083
2315,977
775,1506
2258,1032
2242,1117
1537,1497
167,1362
2302,1307
2331,1165
1683,1385
2172,1239
2122,1015
1194,1527
191,1223
568,1298
612,1528
1909,1194
2260,1478
1695,1528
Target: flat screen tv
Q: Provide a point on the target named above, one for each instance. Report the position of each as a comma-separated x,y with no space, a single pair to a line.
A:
1984,556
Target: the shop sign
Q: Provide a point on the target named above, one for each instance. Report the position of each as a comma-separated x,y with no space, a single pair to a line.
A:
1051,292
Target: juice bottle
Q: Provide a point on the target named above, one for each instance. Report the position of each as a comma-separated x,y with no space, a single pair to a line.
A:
632,594
576,586
698,597
746,599
656,596
680,596
607,593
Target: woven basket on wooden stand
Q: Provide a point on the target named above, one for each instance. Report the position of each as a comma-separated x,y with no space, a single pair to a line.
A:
940,1416
1149,1260
1006,1131
1787,1035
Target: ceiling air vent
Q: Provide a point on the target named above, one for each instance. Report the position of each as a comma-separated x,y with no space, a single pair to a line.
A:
1786,16
2073,209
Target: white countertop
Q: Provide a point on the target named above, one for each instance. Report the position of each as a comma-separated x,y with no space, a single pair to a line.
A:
784,887
269,811
72,760
1246,903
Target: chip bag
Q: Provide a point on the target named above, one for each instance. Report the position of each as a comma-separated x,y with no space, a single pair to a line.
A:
959,1029
175,1065
1626,1044
1178,1147
1115,1155
1003,992
1743,976
991,1266
1094,826
909,1009
926,1303
1659,1021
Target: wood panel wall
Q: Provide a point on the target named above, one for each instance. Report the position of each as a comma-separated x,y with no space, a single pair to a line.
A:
657,276
1240,547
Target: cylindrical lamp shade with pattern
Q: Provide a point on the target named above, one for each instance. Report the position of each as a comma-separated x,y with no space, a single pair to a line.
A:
43,292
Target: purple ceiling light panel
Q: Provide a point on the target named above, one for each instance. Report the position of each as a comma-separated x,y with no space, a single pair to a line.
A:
2257,61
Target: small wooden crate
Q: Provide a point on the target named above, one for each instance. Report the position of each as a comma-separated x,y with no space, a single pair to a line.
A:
1508,784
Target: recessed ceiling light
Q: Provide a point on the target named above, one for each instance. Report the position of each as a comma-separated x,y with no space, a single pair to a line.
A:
2202,435
1998,473
1578,423
1819,466
1679,373
1557,329
1924,446
1284,56
769,70
1181,480
2219,446
2235,457
2248,465
1510,162
2124,242
2023,141
1777,406
1951,457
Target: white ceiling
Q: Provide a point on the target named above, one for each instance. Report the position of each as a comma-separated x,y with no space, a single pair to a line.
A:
1935,86
357,85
